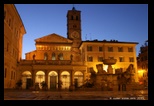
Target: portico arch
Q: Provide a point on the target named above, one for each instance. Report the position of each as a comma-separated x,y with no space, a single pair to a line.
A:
26,80
52,80
78,78
65,78
40,76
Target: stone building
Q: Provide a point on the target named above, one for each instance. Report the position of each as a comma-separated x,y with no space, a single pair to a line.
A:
13,35
142,64
69,60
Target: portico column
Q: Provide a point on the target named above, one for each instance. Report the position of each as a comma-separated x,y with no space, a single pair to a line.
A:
71,88
59,87
46,76
33,77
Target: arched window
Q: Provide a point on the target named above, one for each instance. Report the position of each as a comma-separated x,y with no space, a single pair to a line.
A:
60,56
72,17
53,56
77,18
45,56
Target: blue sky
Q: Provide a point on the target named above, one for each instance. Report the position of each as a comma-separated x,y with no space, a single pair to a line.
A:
122,22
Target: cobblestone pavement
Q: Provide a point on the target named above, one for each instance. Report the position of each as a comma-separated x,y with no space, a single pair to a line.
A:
75,95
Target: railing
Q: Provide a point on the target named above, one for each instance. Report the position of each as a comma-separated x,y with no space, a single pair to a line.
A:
45,62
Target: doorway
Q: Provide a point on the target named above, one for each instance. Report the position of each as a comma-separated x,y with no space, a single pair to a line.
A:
53,82
28,83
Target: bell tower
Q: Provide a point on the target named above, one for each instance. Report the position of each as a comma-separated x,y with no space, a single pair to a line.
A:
74,32
74,24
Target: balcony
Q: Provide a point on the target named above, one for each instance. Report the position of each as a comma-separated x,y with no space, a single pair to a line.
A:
45,62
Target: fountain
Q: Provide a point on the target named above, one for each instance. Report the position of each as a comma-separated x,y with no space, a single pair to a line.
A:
109,62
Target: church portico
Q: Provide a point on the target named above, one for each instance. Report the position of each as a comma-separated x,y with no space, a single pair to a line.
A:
69,75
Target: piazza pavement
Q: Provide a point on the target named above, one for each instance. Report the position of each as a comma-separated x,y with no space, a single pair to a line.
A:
75,95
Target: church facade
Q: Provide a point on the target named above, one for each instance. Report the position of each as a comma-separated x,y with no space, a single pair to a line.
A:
68,60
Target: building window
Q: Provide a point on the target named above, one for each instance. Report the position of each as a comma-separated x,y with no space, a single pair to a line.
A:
76,17
60,56
72,17
100,49
9,22
5,72
53,56
120,49
45,56
130,49
89,48
90,59
110,49
131,59
100,59
121,59
145,58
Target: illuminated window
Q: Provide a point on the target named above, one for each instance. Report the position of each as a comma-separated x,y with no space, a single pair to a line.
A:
120,49
110,49
131,59
45,56
89,48
53,56
130,49
100,49
89,58
121,59
60,56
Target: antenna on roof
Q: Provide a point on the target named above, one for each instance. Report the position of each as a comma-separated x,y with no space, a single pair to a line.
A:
86,37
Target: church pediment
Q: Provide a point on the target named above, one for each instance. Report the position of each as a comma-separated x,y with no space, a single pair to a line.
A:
53,38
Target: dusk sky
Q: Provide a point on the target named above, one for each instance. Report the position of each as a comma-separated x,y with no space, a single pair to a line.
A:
122,22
